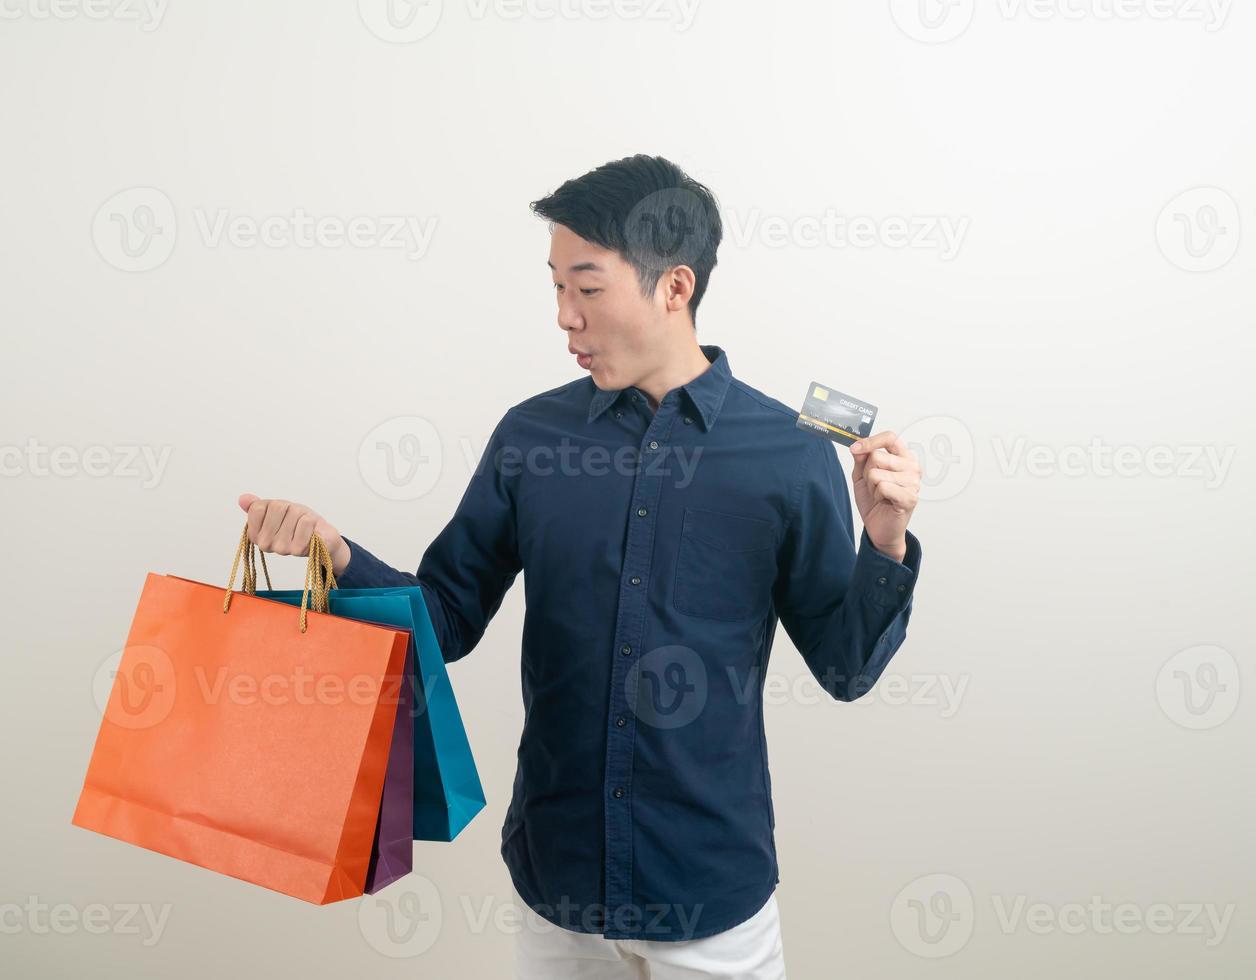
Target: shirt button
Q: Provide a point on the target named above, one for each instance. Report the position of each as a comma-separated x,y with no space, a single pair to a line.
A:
625,649
619,791
902,588
653,444
620,722
641,512
635,580
619,415
881,580
688,420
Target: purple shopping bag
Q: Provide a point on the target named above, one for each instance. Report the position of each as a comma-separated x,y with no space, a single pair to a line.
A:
392,853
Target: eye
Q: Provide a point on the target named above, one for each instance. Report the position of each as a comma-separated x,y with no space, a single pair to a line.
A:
584,292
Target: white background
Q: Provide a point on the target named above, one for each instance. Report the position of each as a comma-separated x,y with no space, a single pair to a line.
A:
1087,746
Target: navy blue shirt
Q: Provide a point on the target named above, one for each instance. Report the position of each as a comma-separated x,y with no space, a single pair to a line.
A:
659,549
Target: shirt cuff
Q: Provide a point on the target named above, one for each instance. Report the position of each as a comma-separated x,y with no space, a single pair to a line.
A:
881,579
363,568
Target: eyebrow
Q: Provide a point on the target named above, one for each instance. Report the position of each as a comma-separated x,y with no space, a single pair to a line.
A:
580,267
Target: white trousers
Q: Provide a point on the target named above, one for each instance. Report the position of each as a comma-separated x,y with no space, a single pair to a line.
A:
750,950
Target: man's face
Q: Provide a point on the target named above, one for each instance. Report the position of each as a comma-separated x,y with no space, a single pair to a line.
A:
602,311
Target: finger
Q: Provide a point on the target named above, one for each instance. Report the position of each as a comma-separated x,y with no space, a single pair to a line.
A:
887,439
302,531
861,460
276,511
883,459
886,487
902,478
257,514
246,501
285,535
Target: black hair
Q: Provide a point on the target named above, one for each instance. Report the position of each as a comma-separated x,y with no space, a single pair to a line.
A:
649,211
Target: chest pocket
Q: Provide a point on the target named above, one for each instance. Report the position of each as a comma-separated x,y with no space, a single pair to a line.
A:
725,566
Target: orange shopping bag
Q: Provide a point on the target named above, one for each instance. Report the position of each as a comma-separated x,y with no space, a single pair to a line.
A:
248,738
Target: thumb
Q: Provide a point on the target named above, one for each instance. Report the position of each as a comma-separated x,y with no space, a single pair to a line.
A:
247,500
861,460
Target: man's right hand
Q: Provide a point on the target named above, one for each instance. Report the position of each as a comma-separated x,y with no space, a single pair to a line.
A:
283,527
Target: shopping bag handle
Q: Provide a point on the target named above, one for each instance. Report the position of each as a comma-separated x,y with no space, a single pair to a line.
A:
320,578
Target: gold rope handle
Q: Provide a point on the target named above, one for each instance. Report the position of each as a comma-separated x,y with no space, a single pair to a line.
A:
245,550
320,577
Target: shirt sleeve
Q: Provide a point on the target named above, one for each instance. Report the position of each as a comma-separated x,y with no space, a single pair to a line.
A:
467,568
845,610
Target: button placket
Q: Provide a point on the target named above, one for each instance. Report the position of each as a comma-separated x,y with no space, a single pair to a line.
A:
630,626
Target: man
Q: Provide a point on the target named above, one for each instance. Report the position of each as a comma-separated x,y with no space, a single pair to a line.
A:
667,515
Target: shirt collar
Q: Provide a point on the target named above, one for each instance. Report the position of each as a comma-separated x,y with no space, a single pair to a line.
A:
706,391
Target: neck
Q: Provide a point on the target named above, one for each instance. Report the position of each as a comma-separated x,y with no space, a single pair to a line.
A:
688,363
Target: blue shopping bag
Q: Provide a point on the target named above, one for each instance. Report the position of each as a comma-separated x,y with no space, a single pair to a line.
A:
447,790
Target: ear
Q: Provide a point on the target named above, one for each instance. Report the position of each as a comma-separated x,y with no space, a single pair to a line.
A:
678,284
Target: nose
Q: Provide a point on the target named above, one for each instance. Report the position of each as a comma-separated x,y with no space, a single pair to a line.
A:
569,317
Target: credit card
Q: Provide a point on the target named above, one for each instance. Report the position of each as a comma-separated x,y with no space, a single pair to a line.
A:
841,417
